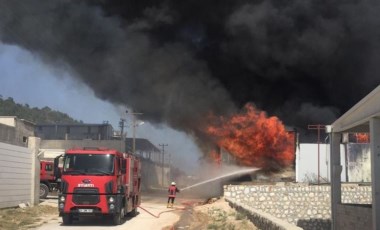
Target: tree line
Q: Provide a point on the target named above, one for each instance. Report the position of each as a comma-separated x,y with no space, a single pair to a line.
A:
45,115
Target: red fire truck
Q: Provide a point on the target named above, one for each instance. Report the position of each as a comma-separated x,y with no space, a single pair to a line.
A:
98,182
48,182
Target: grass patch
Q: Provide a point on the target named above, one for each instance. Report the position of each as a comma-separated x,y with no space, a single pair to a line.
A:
213,226
21,218
219,219
222,220
240,216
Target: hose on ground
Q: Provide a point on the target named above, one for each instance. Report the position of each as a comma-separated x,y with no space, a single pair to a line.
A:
187,205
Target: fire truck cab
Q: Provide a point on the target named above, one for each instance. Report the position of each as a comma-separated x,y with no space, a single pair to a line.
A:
98,182
48,181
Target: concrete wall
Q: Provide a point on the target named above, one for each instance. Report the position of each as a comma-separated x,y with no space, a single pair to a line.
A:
352,217
307,163
8,120
7,134
151,175
15,131
355,161
298,204
17,175
75,131
358,162
34,145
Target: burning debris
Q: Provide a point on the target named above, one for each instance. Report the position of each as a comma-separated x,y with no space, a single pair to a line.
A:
254,138
358,138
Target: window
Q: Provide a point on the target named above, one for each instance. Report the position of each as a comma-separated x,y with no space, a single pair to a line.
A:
48,167
89,164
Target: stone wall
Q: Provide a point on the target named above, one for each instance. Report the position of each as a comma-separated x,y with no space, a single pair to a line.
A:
262,220
307,206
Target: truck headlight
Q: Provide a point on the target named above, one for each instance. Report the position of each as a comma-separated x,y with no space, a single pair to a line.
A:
61,206
111,200
112,206
62,199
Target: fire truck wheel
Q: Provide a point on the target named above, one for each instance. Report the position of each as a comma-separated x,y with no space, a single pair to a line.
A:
118,217
67,219
133,213
44,191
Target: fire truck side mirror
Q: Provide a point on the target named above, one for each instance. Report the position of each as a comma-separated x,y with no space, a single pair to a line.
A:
123,167
57,171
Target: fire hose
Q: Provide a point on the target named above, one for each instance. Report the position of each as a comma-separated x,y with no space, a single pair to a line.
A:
158,215
186,204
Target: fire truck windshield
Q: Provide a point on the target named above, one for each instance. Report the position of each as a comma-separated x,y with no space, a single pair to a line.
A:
89,164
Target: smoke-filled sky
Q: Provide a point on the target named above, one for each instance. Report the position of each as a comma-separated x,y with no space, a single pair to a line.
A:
306,61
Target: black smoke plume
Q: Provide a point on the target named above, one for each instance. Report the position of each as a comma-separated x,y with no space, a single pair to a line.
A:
306,61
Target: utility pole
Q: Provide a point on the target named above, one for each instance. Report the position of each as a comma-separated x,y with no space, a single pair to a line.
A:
170,167
163,161
318,128
122,139
134,129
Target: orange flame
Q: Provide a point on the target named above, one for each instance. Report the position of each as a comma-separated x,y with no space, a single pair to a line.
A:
362,137
215,156
254,139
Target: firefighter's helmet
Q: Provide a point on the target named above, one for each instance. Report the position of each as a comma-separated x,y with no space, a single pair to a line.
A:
173,183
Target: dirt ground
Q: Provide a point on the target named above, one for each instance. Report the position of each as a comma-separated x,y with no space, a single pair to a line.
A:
26,218
193,215
215,214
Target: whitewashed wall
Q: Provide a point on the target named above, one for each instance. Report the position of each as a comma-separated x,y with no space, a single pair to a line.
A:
16,175
307,163
8,120
359,162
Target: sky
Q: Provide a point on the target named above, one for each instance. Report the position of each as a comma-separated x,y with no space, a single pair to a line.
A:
28,80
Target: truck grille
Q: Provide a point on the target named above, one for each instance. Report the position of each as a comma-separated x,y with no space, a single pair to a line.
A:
86,196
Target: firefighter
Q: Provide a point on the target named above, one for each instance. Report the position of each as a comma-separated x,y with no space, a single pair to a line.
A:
171,194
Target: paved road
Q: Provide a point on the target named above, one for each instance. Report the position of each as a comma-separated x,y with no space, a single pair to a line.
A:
144,220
